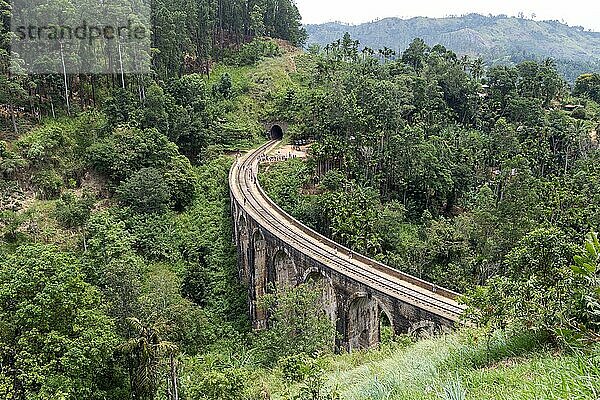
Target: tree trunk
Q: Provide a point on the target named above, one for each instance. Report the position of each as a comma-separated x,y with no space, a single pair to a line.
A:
62,58
13,119
174,390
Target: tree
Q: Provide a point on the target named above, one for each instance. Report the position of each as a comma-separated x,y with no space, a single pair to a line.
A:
297,324
144,353
111,264
536,289
145,191
153,113
588,85
128,150
56,340
416,53
11,94
587,266
72,211
477,69
257,24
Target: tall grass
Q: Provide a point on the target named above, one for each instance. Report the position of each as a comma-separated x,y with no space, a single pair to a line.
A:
453,390
471,366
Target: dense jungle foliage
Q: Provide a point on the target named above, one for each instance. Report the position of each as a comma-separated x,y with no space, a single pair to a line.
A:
187,37
118,277
483,182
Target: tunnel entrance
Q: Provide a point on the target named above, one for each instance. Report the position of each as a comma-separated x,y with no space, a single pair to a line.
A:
276,132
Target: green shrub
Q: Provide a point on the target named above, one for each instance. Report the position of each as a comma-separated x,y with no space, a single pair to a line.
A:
128,150
587,268
253,52
145,191
224,87
10,163
48,184
536,291
155,236
50,145
196,283
182,183
72,211
119,106
296,368
297,325
211,382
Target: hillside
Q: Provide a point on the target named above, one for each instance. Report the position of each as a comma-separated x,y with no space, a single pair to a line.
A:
453,367
497,39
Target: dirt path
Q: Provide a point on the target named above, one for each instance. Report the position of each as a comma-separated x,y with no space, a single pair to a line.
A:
285,152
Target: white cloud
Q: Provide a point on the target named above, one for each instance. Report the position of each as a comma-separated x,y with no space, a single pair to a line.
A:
573,12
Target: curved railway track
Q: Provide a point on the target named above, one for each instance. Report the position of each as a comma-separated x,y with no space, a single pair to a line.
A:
249,195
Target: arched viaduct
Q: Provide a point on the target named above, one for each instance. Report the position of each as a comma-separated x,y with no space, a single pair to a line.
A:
275,249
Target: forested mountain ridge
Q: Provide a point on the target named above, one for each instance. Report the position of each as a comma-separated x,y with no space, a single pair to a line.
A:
498,39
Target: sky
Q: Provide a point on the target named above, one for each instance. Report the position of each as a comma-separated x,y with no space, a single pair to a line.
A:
584,13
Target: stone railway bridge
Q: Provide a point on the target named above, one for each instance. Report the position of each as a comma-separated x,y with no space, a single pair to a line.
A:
275,250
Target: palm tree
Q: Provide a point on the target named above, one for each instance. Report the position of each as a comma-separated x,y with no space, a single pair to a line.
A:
477,68
144,353
550,63
465,62
386,53
367,51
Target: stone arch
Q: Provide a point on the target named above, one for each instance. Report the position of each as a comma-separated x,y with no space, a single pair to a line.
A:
276,132
325,286
362,322
422,329
242,222
384,310
284,269
258,239
386,323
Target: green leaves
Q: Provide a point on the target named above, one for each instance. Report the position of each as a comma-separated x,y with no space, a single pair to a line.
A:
297,324
145,191
55,339
587,267
130,149
144,352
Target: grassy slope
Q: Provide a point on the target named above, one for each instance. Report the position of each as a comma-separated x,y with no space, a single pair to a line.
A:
426,369
259,86
503,369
